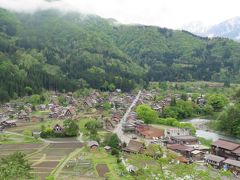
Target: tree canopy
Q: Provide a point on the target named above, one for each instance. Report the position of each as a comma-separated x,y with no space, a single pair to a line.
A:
15,166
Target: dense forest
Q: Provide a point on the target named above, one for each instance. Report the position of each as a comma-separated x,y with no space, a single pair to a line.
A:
66,51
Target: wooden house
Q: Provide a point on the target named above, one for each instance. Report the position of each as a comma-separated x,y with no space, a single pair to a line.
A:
149,132
172,132
185,139
8,123
134,147
58,129
232,165
227,149
213,160
182,149
22,115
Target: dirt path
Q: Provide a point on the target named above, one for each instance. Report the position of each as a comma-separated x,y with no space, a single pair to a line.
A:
39,160
61,165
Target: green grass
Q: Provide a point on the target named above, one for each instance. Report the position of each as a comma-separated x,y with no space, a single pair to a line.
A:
40,113
82,123
205,142
160,126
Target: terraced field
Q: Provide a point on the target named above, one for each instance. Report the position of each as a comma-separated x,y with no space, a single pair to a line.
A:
43,157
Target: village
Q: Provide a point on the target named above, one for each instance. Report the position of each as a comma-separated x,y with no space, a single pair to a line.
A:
116,112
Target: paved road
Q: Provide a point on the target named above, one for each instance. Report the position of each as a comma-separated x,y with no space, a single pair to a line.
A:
118,129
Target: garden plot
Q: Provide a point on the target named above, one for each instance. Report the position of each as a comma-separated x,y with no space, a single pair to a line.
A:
79,166
7,149
102,169
45,161
91,164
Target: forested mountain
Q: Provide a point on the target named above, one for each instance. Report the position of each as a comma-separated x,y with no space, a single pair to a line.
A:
65,51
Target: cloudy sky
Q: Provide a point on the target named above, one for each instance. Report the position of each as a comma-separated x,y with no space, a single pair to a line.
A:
164,13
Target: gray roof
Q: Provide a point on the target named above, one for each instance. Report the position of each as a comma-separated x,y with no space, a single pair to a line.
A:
232,162
92,143
107,147
214,158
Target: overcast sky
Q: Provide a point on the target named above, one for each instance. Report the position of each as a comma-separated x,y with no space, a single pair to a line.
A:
165,13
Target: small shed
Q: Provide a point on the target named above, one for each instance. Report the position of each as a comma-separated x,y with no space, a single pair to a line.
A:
107,148
36,134
197,155
93,145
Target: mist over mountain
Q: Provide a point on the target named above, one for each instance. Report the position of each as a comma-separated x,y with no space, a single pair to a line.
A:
227,29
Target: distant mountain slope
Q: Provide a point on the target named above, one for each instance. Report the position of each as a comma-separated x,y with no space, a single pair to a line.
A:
227,29
66,51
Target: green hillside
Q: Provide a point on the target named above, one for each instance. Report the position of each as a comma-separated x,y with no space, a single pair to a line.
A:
66,51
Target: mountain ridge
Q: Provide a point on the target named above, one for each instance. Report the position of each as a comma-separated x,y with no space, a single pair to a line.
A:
229,28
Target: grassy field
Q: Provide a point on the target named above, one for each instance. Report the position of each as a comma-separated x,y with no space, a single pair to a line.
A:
16,139
40,113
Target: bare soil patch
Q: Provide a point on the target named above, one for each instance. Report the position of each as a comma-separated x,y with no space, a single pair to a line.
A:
102,169
20,146
47,164
71,145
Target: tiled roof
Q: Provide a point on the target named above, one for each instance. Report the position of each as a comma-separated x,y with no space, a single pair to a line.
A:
214,158
232,162
134,146
226,144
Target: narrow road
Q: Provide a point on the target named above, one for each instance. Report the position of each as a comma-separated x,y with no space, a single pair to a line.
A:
118,129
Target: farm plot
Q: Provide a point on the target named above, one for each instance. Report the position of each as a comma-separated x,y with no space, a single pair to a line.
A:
7,149
45,161
91,164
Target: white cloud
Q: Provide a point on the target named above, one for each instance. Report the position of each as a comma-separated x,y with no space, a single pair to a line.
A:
165,13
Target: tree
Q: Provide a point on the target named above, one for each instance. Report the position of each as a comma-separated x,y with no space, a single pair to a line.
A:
173,101
147,114
229,120
34,99
93,126
208,109
163,85
4,96
15,166
184,97
217,101
112,141
237,95
106,106
182,109
29,90
71,128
